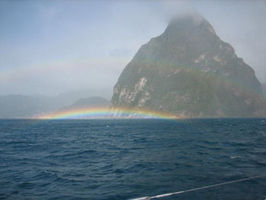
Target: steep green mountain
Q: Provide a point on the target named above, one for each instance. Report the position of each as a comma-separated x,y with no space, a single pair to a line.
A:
189,71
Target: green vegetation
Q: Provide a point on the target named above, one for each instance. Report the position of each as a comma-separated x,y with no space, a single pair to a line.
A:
190,71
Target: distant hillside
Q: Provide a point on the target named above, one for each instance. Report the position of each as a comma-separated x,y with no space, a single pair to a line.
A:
189,71
88,103
19,106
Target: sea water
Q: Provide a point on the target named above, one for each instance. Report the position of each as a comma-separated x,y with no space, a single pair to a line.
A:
123,159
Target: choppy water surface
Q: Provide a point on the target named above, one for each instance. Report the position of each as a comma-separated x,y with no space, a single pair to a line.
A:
122,159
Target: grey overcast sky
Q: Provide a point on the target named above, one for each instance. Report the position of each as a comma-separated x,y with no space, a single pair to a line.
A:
54,46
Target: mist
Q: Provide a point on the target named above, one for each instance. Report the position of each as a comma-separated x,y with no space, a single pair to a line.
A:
54,47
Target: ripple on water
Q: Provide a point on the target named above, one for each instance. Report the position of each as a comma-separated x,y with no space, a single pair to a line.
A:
121,159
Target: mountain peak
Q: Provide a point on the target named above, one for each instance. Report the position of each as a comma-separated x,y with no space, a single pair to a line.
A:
194,18
190,22
188,70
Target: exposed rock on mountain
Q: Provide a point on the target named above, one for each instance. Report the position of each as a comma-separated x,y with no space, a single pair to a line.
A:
189,71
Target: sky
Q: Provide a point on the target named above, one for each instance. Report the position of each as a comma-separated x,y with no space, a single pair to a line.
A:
54,46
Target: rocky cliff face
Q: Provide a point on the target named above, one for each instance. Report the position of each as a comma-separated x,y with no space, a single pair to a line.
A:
264,89
189,71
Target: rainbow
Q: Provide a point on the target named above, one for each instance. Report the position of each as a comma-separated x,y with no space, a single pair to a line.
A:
108,113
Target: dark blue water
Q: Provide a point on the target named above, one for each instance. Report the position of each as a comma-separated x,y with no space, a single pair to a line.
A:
122,159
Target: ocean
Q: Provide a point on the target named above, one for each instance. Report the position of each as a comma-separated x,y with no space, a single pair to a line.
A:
124,159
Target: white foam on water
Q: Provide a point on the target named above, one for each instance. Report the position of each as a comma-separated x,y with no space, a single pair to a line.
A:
199,188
